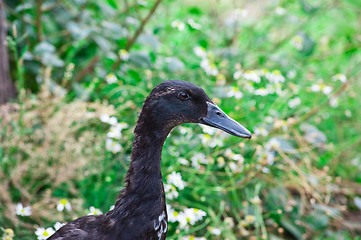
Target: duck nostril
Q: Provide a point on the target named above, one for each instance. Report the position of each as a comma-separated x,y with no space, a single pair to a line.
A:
219,114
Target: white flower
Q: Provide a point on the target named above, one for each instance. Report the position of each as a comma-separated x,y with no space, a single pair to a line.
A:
112,146
209,68
261,131
176,179
252,75
23,211
185,130
199,214
280,11
171,191
327,90
197,159
236,157
294,102
115,131
185,217
272,144
172,214
334,102
193,24
111,207
58,225
321,87
341,77
180,217
316,88
104,118
63,204
178,25
237,74
182,220
208,130
234,92
234,167
266,157
113,120
276,88
262,92
183,161
210,141
111,78
216,231
291,74
193,215
275,76
200,52
43,233
124,55
94,211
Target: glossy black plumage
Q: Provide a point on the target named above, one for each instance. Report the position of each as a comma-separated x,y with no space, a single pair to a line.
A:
140,211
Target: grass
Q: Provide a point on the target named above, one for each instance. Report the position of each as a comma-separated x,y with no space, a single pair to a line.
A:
297,178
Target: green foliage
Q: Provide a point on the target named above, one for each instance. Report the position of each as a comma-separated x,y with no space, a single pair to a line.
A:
287,70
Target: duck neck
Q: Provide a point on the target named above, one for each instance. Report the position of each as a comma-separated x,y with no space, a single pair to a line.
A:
145,166
143,181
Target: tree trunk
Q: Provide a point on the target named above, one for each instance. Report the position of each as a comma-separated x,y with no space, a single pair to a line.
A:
7,87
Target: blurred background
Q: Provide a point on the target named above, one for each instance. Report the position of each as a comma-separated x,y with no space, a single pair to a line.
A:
74,75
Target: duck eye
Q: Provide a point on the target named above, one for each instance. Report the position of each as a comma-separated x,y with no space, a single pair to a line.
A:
183,96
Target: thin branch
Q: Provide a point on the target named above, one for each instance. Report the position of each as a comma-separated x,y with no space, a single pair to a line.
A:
86,70
89,68
126,6
132,40
38,25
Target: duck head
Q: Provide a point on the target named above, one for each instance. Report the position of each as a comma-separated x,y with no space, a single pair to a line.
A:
174,102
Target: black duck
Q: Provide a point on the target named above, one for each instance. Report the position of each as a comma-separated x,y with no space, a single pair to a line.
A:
140,211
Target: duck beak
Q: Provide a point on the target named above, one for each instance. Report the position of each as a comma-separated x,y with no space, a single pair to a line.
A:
218,119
